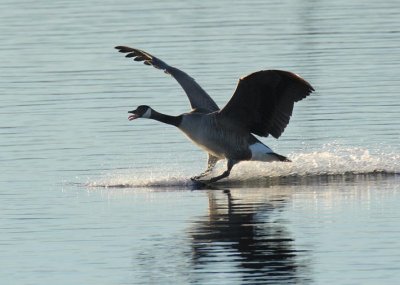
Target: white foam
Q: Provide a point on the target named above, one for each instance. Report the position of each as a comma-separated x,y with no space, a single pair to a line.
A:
323,162
329,160
118,180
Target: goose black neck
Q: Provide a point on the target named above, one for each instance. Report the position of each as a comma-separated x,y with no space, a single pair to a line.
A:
167,119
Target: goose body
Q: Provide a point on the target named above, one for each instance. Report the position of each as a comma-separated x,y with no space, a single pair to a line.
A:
262,104
219,139
223,139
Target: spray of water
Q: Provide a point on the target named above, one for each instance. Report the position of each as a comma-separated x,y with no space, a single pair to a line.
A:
330,160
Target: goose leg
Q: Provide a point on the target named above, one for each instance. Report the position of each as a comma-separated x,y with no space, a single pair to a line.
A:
212,160
226,173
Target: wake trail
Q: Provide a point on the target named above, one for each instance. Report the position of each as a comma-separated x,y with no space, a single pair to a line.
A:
326,162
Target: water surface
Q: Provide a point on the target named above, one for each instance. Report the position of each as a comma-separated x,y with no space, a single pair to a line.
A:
88,197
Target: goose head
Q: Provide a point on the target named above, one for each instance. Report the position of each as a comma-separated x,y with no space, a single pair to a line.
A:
142,111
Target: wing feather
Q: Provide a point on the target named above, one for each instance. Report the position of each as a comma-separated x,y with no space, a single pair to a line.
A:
198,98
263,101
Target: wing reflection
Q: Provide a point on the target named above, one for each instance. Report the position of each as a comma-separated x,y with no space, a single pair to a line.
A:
243,237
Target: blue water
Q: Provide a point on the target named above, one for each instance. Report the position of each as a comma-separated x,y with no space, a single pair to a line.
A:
88,197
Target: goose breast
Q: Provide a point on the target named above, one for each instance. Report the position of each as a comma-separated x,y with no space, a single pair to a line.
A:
218,138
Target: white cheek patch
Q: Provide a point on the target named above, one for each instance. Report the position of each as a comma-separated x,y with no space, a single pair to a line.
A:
147,114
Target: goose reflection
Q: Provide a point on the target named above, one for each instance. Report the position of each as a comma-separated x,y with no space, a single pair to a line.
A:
244,236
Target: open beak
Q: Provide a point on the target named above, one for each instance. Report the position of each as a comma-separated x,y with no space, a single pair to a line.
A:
133,116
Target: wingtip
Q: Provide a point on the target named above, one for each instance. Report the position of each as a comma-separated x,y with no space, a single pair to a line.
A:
129,55
124,49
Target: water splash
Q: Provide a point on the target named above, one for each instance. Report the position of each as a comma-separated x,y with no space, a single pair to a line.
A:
334,161
329,161
131,179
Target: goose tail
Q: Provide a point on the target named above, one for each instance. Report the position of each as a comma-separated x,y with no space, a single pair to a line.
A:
281,157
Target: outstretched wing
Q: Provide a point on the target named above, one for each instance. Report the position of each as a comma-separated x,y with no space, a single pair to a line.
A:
263,101
199,99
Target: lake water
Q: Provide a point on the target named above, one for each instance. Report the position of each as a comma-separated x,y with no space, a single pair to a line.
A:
88,197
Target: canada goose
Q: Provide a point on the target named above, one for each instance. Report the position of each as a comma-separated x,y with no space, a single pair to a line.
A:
262,104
